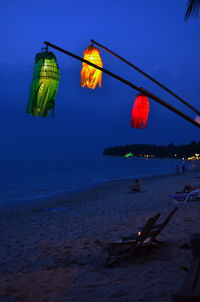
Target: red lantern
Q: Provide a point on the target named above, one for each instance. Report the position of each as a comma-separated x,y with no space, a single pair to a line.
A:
140,112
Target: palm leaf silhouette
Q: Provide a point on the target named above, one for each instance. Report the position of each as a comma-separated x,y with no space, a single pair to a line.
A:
192,8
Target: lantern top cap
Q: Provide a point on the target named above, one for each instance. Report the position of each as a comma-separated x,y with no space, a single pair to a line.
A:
90,48
141,95
45,55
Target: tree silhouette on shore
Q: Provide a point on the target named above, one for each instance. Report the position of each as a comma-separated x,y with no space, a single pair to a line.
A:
169,151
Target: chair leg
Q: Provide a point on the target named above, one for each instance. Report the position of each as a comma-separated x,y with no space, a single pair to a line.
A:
110,261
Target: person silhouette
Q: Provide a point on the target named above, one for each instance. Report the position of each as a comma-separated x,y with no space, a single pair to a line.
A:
135,187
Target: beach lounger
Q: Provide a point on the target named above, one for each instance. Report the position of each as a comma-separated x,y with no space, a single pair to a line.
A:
187,197
128,248
190,291
156,229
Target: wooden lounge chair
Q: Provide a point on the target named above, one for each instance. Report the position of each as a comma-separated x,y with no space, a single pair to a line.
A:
128,248
156,229
190,291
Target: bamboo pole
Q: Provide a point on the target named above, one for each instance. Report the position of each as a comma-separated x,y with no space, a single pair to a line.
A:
148,76
142,90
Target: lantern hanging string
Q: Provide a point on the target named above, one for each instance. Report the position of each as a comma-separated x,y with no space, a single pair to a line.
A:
148,76
140,89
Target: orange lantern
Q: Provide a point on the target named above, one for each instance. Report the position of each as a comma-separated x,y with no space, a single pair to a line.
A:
90,76
140,112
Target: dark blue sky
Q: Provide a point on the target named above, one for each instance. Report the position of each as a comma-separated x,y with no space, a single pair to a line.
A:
151,34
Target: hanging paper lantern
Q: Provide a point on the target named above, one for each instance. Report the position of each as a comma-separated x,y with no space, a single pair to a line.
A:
90,76
44,86
197,119
140,112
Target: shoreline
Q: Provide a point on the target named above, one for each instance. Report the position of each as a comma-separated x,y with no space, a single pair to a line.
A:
88,189
29,193
91,187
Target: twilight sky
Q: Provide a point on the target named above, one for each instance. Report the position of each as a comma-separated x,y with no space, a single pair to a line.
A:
151,34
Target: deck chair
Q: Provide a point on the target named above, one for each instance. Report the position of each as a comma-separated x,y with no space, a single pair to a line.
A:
186,197
156,229
128,248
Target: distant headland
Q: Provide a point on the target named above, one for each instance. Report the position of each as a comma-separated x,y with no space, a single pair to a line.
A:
189,151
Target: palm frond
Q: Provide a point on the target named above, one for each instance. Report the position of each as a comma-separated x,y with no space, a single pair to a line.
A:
192,8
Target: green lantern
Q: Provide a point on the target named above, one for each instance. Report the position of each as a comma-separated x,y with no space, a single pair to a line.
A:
44,86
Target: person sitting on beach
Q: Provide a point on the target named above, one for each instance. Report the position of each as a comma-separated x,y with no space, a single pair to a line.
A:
135,187
188,189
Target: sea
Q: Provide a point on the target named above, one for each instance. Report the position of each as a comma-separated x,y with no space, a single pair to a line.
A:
33,176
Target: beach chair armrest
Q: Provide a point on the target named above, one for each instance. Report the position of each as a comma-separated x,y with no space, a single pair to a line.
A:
131,237
121,243
157,226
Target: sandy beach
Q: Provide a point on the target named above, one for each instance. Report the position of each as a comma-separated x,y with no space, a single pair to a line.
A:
49,254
